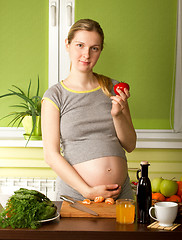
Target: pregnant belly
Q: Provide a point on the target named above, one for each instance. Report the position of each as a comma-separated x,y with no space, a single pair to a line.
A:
106,170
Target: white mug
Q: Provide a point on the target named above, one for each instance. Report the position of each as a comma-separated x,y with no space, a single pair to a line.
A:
165,213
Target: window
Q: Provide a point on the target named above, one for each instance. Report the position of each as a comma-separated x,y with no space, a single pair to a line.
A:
62,14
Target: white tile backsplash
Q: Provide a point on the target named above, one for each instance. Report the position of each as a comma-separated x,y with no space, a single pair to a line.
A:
9,185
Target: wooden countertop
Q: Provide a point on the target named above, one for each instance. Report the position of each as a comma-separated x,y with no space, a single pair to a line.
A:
90,229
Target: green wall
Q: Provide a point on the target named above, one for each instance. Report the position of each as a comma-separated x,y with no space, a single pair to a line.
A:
139,49
140,38
23,47
29,162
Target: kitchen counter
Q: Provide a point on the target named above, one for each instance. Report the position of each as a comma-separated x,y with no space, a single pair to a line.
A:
90,229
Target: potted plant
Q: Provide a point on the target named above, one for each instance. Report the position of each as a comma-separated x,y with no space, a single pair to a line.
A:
30,112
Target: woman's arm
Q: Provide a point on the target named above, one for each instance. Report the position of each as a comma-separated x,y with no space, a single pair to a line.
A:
122,120
50,116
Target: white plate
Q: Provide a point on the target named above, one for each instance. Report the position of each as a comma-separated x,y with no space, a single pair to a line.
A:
50,219
4,198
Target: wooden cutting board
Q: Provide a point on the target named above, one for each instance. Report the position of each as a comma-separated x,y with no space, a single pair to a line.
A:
103,209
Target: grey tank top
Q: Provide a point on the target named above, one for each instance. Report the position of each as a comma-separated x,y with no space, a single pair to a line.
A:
86,126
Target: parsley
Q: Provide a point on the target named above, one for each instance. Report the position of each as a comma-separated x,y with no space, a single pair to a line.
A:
26,208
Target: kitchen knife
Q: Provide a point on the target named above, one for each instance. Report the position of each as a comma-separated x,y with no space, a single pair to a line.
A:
77,205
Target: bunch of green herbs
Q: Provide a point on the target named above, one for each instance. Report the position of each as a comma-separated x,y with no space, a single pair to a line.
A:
26,208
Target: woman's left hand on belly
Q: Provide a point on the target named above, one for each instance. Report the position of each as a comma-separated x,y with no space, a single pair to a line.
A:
106,191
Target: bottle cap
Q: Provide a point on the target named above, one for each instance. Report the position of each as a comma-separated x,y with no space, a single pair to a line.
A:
144,163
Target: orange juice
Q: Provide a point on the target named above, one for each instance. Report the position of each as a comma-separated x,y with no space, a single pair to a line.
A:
125,211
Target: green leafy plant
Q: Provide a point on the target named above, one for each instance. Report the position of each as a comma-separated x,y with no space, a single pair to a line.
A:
31,106
26,208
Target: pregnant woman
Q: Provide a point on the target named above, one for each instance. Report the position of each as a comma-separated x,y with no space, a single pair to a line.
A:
92,124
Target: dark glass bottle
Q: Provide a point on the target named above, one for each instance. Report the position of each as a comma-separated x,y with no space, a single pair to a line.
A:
144,194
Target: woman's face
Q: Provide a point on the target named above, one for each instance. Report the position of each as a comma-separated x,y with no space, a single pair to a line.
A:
84,50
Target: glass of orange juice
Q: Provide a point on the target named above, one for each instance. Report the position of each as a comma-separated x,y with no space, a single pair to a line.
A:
125,211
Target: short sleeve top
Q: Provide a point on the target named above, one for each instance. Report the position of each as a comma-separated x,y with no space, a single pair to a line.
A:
86,126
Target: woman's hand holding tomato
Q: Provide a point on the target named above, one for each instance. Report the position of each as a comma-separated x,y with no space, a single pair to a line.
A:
121,117
119,101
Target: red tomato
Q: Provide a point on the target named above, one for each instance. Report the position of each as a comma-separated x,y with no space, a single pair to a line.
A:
121,86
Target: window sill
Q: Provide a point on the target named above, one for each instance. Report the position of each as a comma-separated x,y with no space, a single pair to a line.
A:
158,139
13,137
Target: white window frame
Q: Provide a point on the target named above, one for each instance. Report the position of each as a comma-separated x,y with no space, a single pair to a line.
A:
146,138
61,14
178,80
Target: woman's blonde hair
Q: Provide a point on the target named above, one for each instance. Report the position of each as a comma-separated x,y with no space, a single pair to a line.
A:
91,25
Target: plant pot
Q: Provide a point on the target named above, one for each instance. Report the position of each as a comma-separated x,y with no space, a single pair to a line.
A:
33,138
28,125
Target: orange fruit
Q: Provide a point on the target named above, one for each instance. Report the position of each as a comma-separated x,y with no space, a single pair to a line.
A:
109,201
174,198
99,199
158,197
86,201
179,192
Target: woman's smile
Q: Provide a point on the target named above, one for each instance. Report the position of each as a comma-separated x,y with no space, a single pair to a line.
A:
84,62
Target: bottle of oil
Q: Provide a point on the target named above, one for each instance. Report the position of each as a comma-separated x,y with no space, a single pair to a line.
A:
144,194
